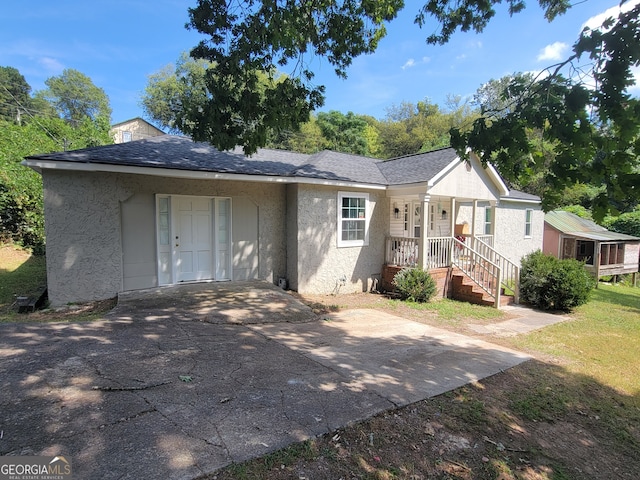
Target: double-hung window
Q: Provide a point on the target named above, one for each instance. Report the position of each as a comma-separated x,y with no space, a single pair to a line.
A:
487,220
353,219
528,217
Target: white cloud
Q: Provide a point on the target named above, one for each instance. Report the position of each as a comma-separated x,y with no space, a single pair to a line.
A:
52,65
412,63
596,21
409,63
555,51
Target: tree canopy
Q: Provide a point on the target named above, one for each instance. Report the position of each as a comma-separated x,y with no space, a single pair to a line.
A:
40,130
75,97
591,121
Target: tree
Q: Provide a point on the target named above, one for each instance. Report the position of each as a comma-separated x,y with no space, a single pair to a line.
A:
74,96
172,90
15,93
247,37
593,131
410,128
344,133
308,139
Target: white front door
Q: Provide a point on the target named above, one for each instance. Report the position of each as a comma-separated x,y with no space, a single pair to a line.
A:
194,241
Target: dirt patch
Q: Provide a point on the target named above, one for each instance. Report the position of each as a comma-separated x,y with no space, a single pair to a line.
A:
69,313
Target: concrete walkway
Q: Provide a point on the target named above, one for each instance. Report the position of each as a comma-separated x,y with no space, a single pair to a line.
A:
176,383
526,320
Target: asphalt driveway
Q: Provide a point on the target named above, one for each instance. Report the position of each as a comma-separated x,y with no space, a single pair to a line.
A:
175,383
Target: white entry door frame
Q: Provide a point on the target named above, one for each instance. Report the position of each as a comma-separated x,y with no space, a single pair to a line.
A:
193,238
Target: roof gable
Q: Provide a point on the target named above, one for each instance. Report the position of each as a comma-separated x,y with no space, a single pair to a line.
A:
417,168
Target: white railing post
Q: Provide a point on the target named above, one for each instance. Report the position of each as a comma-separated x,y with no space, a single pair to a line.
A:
498,287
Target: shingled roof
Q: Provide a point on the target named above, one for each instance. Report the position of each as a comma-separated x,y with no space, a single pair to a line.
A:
181,153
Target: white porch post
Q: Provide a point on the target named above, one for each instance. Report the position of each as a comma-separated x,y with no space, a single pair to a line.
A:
422,253
473,222
452,225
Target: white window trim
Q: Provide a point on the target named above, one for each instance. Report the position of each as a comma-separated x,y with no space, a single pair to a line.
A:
489,223
367,219
528,211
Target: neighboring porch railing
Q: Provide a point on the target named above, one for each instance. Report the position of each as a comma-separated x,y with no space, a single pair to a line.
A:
481,270
510,272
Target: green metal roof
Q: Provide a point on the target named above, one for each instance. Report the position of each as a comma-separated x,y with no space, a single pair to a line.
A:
571,224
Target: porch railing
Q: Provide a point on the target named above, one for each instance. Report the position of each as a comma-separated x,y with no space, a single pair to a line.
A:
402,251
510,272
488,239
476,258
485,273
405,251
439,252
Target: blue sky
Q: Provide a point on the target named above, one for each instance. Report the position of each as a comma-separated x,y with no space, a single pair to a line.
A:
119,43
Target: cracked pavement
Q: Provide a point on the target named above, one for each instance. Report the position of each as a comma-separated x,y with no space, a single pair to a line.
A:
181,382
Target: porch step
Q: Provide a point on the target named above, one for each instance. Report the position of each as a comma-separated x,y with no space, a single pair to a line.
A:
466,290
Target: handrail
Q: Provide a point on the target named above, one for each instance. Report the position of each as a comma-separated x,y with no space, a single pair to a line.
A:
485,273
510,271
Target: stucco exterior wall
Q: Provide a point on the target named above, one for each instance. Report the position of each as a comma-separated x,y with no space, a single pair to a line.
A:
256,208
292,236
321,266
82,224
464,214
90,256
509,230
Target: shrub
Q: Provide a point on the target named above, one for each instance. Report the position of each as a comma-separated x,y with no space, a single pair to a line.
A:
415,284
549,283
628,223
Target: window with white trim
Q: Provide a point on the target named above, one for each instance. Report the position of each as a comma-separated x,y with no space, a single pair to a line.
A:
528,218
487,220
126,136
353,219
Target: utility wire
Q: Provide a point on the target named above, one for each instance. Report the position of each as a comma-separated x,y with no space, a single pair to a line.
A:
64,144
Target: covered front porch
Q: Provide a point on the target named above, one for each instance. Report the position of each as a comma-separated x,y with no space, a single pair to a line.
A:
453,237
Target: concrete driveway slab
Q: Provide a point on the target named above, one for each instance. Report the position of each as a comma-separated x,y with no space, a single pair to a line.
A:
164,388
402,360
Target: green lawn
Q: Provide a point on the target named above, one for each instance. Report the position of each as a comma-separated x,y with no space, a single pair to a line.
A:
20,274
577,403
602,341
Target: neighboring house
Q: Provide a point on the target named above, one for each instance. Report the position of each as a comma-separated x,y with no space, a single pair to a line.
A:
134,129
167,210
567,235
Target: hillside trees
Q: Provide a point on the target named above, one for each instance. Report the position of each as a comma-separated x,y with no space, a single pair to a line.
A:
40,130
75,97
